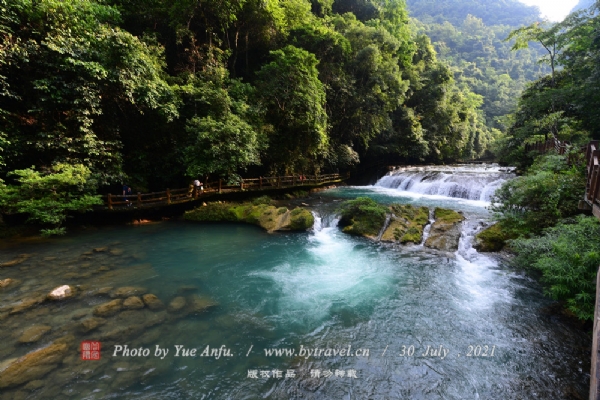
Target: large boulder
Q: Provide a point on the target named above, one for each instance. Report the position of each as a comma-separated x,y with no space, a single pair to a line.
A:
491,239
445,231
33,366
406,224
362,217
260,213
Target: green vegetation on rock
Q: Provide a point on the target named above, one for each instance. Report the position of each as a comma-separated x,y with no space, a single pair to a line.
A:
445,231
362,216
491,239
266,216
407,224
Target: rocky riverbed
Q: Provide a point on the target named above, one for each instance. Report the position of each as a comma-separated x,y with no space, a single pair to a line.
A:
50,304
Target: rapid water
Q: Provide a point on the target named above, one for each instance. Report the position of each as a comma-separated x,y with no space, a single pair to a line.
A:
320,289
471,182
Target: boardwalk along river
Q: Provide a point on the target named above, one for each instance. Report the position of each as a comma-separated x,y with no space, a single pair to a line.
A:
318,315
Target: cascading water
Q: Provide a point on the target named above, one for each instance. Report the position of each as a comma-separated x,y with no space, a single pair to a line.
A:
461,181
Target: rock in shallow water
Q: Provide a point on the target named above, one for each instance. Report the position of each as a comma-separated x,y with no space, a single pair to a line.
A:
34,333
177,304
33,366
133,303
92,323
6,282
153,302
61,293
127,291
108,309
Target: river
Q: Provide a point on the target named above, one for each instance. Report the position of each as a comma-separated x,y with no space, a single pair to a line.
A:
413,323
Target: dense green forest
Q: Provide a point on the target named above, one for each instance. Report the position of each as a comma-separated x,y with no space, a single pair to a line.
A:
160,92
470,36
539,210
492,12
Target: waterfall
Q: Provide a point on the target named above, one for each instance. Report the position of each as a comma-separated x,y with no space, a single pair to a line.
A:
461,181
428,226
388,218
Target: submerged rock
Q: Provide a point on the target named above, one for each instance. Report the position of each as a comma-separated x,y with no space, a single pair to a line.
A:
201,304
108,309
445,231
61,293
34,333
153,302
33,365
177,304
16,261
92,323
127,291
7,282
133,303
27,304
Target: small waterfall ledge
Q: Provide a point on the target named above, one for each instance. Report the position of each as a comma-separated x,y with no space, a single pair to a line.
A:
461,181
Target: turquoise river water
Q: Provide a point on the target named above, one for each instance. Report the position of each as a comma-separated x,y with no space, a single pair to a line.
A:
493,334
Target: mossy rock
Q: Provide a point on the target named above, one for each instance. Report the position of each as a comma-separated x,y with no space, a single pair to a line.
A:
447,216
491,239
266,216
407,224
301,219
362,217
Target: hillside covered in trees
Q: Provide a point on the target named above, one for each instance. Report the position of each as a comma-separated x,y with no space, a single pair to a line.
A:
157,93
470,36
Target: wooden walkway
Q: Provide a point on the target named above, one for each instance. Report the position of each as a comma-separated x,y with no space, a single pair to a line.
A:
192,193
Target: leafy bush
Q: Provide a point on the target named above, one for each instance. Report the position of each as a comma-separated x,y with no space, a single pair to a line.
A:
47,197
567,256
548,193
362,216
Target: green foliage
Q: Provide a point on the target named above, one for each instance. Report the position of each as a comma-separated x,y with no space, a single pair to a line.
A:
362,216
567,256
47,197
565,103
294,98
548,193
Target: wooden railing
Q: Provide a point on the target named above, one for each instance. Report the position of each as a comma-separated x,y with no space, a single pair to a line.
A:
548,145
190,193
592,155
